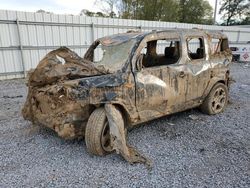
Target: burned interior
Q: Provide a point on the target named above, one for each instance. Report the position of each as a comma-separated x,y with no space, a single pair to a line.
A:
127,79
161,52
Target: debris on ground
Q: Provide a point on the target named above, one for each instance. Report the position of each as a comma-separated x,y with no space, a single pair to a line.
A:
193,117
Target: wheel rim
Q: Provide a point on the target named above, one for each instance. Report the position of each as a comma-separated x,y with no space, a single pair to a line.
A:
219,100
105,138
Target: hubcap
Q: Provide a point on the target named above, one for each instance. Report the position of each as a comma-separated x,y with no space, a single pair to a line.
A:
219,100
105,138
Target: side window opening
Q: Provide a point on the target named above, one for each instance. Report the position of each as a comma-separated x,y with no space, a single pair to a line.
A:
224,45
195,47
218,45
215,46
161,52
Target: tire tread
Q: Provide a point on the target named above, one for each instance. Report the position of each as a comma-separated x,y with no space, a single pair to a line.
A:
205,106
94,130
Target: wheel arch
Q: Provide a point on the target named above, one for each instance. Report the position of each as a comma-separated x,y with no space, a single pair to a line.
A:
211,84
125,112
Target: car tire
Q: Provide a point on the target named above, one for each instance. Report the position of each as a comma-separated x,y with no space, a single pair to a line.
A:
97,135
216,100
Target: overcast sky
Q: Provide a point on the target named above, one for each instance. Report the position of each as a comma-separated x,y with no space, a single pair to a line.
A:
57,6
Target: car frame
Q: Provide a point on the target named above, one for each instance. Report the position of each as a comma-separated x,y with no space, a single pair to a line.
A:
145,86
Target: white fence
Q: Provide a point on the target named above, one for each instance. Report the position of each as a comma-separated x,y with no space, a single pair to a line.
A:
26,37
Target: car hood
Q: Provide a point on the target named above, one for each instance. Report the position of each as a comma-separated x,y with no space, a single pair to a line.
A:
62,64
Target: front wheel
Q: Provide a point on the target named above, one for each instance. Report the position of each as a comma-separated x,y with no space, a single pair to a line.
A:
97,134
216,100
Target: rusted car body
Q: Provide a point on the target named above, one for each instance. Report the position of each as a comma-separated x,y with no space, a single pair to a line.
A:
141,76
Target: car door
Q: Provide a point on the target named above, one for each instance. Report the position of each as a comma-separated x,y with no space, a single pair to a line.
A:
161,86
151,92
197,66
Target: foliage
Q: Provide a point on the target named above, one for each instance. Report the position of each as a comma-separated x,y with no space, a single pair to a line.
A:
164,10
195,11
92,14
188,11
107,6
235,11
43,11
246,20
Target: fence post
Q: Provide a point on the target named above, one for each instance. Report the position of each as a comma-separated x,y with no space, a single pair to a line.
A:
21,47
93,31
238,36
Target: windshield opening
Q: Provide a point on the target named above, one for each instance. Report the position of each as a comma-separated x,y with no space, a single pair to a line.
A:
111,57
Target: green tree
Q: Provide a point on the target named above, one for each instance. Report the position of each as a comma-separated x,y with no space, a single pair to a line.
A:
246,20
188,11
164,10
86,13
234,11
107,6
92,14
43,11
195,11
128,9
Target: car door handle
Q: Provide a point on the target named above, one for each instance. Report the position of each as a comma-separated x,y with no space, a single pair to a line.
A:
181,74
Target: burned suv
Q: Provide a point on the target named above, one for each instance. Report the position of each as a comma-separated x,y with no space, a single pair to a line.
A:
126,79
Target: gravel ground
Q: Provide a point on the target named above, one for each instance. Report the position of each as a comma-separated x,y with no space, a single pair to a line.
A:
188,149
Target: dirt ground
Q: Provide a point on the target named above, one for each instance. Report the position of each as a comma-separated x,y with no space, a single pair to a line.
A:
188,149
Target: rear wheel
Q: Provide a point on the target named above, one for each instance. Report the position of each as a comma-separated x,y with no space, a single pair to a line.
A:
216,100
97,133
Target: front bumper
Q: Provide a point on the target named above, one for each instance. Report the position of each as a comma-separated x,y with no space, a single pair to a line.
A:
57,108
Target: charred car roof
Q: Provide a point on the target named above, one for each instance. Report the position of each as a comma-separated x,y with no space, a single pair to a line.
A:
125,37
119,38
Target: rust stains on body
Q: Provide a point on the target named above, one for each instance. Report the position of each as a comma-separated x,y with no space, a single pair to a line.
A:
144,75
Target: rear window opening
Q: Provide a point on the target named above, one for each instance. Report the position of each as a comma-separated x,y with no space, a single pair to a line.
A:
215,46
219,45
224,44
